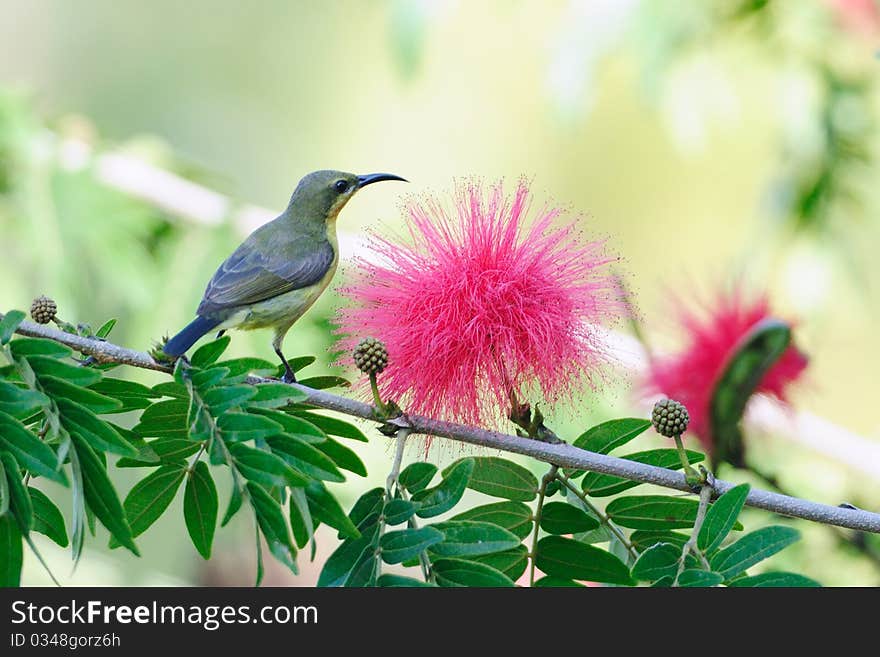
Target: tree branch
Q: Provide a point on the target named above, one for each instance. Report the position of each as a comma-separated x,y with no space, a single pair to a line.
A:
562,455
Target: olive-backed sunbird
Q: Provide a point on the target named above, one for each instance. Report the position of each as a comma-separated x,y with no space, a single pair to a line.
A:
279,271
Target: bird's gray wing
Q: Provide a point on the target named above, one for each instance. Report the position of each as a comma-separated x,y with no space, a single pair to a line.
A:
251,275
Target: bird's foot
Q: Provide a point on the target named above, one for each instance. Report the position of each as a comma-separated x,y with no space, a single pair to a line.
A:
289,376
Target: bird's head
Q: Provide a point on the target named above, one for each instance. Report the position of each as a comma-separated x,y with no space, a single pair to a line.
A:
325,193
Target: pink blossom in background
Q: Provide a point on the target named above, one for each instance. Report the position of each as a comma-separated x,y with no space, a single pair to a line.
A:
710,339
480,301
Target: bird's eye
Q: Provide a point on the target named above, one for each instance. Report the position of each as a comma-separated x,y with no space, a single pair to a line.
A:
340,186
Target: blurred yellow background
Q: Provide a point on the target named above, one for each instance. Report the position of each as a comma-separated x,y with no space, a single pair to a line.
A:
686,133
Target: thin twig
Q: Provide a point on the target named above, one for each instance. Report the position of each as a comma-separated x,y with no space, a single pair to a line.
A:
545,481
562,455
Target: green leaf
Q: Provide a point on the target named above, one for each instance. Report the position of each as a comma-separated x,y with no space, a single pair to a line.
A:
99,434
694,577
326,509
653,512
47,517
556,582
235,500
105,328
304,458
301,523
171,389
18,401
756,353
240,427
367,509
9,323
515,517
19,500
209,352
101,496
342,456
221,399
596,484
565,518
512,563
164,419
338,569
4,490
398,546
434,501
31,453
461,572
642,539
416,476
271,520
275,395
240,368
164,451
400,581
334,426
206,379
752,548
11,552
93,401
200,508
398,511
325,382
775,579
23,347
44,366
265,468
607,436
658,561
470,538
131,396
149,498
567,558
297,427
501,478
721,517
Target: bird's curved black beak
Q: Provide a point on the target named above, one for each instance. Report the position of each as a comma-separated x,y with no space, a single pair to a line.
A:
371,178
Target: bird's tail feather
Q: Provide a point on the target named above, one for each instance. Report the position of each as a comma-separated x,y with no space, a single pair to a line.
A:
180,343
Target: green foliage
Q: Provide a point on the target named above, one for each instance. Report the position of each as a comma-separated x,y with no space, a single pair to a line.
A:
282,458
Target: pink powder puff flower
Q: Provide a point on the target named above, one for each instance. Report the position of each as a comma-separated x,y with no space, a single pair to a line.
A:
690,375
479,306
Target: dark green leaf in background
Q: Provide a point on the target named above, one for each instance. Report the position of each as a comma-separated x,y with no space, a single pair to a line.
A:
273,525
398,546
565,518
47,517
416,476
11,553
87,397
653,511
149,498
399,511
333,426
721,517
470,538
596,484
44,366
642,539
209,352
30,452
445,495
200,508
461,572
512,563
657,562
515,517
752,548
20,504
264,467
694,577
775,579
570,559
342,456
499,477
304,458
325,508
99,434
101,496
23,347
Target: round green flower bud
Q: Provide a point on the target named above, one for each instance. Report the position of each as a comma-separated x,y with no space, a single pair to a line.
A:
370,356
43,310
670,418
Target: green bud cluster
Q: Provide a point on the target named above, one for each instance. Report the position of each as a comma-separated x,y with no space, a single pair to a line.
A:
370,356
670,418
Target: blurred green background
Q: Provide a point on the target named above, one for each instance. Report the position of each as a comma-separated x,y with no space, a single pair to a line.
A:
707,141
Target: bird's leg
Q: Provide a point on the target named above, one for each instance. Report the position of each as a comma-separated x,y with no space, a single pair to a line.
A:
220,334
289,376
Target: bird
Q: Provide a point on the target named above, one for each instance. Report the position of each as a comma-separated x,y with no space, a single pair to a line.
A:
279,271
